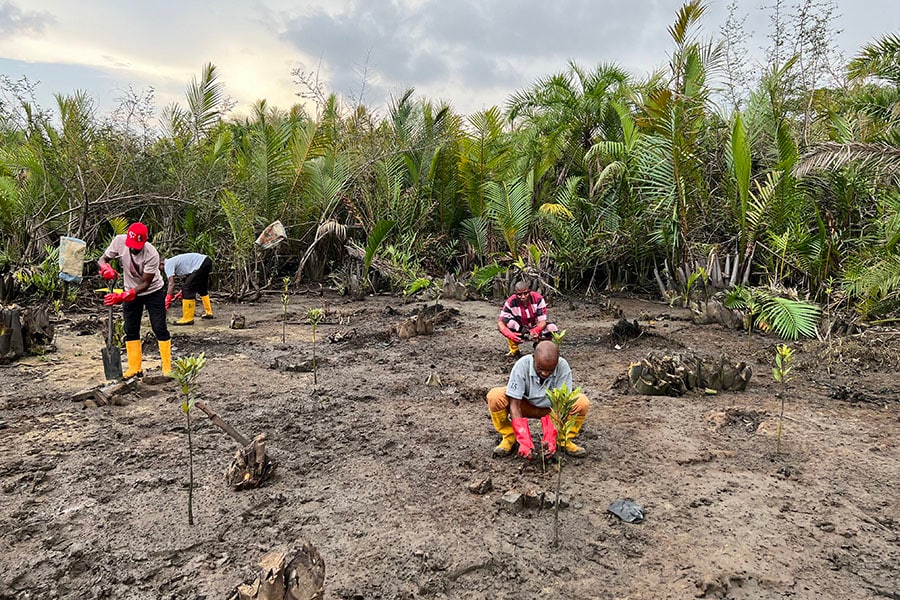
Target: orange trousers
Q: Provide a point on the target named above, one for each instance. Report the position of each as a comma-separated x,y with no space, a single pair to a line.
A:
497,401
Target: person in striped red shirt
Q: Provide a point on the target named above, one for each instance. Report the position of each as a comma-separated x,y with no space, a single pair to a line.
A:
524,316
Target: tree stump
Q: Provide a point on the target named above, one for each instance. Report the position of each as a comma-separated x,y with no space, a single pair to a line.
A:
23,330
624,330
674,375
454,289
250,466
423,322
283,575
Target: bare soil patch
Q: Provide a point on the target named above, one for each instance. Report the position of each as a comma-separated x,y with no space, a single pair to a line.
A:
384,473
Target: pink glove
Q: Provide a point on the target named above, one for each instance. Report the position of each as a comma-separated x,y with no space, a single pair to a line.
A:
169,298
107,271
117,298
512,335
548,441
523,436
536,331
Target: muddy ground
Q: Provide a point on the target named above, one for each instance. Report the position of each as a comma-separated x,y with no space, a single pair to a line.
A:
375,466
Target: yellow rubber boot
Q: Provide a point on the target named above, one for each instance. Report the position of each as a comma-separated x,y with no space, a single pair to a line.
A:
133,348
570,447
187,312
207,308
513,347
165,355
503,425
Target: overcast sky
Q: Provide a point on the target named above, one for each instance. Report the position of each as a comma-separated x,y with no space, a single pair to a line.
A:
471,53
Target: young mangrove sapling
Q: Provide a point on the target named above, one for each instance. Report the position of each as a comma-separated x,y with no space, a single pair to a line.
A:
314,316
562,412
784,355
185,371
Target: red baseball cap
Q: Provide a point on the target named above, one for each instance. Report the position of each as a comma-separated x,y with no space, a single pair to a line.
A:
136,236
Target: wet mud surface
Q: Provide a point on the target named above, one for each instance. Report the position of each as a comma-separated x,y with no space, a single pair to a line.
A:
385,474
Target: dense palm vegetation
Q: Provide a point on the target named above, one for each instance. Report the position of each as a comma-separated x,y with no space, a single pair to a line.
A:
590,179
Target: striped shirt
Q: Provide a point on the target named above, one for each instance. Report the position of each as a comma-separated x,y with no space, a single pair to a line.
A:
519,315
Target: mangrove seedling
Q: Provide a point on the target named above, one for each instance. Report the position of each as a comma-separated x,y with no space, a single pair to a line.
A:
557,336
285,298
562,412
185,371
784,355
315,316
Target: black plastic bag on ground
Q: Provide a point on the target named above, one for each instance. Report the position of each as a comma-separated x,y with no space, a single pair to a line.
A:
627,510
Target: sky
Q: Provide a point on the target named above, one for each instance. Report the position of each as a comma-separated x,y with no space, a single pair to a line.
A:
471,53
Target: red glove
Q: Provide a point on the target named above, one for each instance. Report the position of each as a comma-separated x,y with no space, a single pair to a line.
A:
548,441
107,271
523,436
169,298
118,298
512,335
536,331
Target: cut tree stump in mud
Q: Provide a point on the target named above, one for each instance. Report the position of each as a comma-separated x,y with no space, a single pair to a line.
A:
454,289
298,575
704,313
22,330
626,330
250,466
674,375
423,322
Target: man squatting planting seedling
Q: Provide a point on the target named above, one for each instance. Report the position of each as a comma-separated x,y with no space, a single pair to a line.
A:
525,397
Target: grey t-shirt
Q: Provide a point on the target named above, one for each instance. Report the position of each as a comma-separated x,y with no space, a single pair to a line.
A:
183,264
524,382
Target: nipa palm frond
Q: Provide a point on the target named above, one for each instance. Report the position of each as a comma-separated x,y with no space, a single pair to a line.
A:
509,207
789,318
880,157
474,230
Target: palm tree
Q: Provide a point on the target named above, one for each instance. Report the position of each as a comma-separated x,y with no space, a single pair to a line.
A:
562,116
673,114
876,103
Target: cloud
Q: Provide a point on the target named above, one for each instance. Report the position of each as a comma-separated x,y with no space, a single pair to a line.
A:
436,45
473,53
15,21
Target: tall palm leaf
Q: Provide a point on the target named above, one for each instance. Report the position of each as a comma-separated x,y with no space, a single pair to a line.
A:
485,155
509,208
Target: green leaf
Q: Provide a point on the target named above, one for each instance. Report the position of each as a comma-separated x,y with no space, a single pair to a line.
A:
416,285
382,228
790,318
484,276
740,158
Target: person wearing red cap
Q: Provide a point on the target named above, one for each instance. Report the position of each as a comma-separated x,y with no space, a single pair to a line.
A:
144,287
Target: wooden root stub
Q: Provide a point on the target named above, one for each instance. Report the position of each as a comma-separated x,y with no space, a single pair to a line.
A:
423,322
250,466
283,575
105,395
